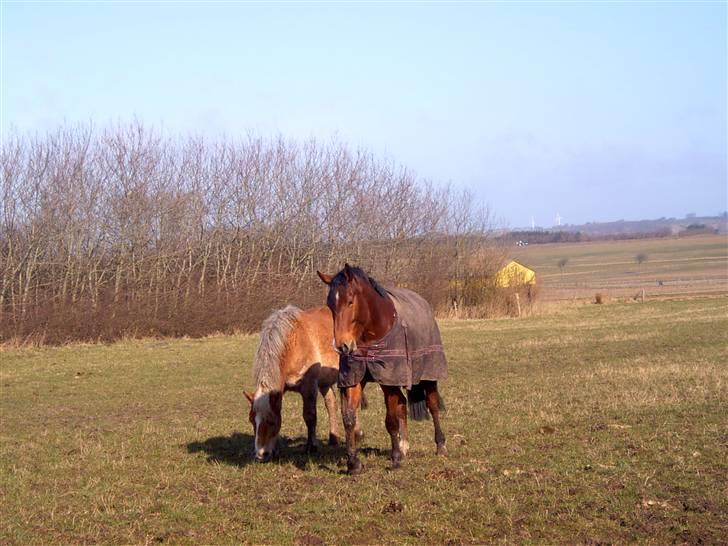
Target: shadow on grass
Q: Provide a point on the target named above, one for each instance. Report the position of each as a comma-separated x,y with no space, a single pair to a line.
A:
237,450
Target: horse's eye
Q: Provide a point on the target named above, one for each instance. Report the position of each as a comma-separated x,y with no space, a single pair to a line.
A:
351,302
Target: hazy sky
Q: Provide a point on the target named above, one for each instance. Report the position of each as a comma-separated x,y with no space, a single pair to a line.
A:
596,111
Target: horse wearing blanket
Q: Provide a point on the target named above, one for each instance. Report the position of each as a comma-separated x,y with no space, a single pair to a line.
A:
388,336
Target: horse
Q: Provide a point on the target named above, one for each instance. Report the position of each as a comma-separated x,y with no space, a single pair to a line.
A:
389,336
295,353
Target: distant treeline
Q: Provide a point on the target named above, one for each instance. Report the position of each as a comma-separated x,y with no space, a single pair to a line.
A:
638,229
127,231
543,237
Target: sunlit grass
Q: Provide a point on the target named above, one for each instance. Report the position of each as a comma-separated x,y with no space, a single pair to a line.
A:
590,424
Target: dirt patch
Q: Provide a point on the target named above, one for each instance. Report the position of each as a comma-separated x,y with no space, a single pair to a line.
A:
444,474
393,507
310,540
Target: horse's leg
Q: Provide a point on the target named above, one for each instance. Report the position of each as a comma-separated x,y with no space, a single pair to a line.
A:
403,428
432,399
350,398
394,401
357,427
330,400
308,393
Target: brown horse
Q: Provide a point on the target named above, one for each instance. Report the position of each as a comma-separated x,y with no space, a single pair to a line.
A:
295,353
389,336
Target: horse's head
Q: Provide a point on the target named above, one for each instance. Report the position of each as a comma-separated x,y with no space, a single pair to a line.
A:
265,416
350,295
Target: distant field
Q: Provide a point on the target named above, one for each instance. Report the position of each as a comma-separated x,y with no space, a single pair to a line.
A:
593,424
689,265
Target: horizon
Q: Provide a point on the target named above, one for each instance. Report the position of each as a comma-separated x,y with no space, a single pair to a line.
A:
594,112
687,216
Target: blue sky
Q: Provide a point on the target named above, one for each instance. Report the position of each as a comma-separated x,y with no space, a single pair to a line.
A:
595,111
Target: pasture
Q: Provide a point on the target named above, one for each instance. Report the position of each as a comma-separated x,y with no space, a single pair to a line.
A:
592,424
671,266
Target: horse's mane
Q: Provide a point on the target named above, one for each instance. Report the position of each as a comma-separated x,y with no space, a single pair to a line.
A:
358,272
273,342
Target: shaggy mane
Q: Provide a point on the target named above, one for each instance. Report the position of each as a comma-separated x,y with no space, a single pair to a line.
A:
273,342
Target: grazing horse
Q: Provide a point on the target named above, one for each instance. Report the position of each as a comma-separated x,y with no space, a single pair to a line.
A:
295,353
389,336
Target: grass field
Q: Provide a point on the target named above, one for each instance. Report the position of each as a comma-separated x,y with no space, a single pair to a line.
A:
689,265
595,424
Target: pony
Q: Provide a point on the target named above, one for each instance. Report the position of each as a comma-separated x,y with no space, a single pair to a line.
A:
295,353
388,336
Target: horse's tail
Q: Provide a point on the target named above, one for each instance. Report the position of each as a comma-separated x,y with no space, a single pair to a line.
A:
416,399
417,405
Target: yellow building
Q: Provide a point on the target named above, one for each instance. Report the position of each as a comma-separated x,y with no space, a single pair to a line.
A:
514,274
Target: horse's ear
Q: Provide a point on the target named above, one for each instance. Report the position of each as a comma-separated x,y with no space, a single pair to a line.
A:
348,272
324,277
249,396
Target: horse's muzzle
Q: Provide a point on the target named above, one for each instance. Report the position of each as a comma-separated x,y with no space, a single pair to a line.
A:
263,457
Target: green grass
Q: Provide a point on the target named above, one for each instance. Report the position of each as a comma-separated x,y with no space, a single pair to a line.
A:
593,424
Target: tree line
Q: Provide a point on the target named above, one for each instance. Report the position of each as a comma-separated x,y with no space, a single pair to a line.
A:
126,230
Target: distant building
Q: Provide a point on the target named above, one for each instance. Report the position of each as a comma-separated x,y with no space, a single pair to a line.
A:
514,274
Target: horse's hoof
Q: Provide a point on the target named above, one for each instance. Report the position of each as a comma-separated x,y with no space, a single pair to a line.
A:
334,440
354,468
310,449
396,465
442,450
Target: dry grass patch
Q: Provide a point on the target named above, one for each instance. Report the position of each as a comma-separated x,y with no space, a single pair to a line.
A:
592,424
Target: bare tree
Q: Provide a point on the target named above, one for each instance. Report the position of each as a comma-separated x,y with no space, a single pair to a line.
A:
124,230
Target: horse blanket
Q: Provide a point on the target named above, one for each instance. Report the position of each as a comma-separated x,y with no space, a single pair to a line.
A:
409,353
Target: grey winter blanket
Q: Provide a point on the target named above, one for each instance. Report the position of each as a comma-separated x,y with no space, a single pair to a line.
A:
409,353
